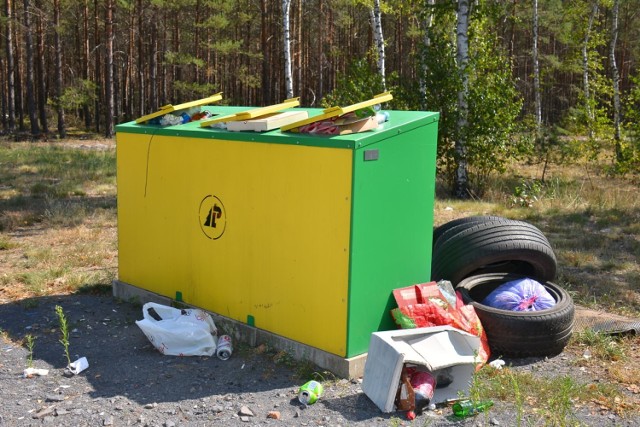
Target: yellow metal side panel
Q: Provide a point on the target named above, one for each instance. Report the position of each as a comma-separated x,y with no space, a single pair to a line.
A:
279,251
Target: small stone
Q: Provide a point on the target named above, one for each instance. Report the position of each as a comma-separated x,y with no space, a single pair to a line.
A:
244,419
246,412
108,421
297,414
48,420
61,411
54,398
150,405
494,422
44,412
169,423
217,408
274,415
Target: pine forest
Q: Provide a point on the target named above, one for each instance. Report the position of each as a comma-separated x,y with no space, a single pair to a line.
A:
546,79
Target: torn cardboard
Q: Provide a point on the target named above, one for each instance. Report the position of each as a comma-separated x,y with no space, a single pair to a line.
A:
435,348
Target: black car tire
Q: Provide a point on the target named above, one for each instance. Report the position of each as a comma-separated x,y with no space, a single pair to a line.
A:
504,246
520,333
442,232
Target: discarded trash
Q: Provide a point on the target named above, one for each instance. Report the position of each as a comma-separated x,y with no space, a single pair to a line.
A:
405,396
310,392
223,347
177,332
31,372
424,384
520,295
79,365
429,304
497,364
448,353
467,408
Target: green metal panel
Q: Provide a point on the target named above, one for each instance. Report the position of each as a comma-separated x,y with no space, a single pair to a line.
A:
392,227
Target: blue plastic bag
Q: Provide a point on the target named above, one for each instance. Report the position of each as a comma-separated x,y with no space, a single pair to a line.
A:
520,295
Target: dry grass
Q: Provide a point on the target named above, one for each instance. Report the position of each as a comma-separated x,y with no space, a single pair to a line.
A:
57,218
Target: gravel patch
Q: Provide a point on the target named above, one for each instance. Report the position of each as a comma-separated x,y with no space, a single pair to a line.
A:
129,383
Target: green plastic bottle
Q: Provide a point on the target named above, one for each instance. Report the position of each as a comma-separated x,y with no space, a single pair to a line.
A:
467,408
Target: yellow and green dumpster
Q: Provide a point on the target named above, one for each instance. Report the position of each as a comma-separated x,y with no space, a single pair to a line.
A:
300,235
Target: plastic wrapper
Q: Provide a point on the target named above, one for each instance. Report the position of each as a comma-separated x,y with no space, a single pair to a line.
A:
520,295
426,306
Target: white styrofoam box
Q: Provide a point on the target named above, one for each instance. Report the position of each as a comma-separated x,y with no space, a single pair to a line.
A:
435,348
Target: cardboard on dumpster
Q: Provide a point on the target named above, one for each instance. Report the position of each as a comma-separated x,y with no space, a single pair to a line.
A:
439,349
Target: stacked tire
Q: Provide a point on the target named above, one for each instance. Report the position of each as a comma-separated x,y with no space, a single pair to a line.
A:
477,254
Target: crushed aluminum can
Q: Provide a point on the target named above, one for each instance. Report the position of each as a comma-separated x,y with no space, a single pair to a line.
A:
310,392
224,348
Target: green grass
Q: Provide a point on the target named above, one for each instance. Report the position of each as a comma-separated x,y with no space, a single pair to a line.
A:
539,400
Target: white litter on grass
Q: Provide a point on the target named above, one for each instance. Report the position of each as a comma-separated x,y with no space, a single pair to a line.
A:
497,364
30,372
79,365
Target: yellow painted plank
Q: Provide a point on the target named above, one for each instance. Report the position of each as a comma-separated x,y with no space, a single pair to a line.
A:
253,113
338,111
167,109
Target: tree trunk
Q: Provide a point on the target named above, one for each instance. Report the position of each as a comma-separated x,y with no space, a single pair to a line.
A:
28,46
142,93
616,81
58,68
98,66
585,69
288,78
264,47
462,57
108,72
536,72
153,64
426,28
86,112
41,70
11,84
376,23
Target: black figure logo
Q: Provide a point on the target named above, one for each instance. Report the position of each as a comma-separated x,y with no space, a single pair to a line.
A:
212,217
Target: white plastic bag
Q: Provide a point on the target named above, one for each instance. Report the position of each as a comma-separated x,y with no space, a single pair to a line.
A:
177,332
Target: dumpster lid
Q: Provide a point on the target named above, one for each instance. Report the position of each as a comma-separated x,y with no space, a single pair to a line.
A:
331,112
169,108
253,113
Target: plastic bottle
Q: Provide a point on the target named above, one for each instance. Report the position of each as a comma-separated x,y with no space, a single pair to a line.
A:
405,397
467,408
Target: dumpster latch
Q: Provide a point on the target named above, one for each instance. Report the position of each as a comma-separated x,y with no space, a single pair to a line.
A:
370,155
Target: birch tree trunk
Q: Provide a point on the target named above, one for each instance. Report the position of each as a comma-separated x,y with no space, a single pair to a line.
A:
462,58
108,72
286,25
62,133
616,80
376,23
536,72
585,69
11,84
427,42
28,45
